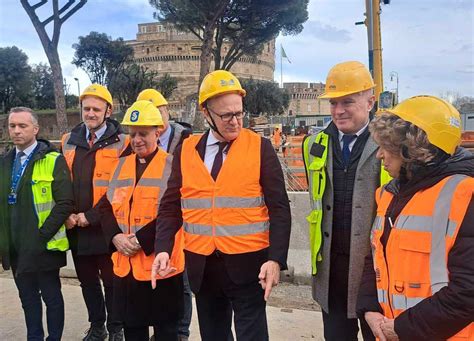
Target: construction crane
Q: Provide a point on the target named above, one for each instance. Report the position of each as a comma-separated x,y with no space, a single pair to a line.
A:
374,38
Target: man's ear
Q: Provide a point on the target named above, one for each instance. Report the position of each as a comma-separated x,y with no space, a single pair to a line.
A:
371,103
108,112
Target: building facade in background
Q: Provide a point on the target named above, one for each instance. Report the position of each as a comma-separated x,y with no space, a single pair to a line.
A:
305,108
163,48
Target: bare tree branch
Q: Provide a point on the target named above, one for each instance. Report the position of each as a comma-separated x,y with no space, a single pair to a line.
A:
79,5
39,4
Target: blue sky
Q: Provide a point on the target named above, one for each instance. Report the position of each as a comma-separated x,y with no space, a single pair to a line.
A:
429,43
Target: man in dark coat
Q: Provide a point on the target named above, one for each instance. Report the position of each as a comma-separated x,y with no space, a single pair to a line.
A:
92,150
32,233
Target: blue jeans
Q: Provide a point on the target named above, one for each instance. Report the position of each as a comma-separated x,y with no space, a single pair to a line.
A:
183,328
34,286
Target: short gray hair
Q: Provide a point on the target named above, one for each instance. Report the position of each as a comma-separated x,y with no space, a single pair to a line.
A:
34,116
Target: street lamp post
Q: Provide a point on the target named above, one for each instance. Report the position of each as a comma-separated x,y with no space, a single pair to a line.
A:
78,97
394,74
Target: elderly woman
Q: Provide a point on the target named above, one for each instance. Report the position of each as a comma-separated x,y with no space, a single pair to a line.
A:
418,284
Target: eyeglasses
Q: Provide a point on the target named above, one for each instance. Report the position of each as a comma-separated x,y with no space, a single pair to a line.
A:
228,116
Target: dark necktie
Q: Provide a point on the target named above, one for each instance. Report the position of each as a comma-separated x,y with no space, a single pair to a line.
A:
216,166
17,163
91,139
346,152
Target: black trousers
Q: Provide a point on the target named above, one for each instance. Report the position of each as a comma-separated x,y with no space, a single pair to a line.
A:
337,327
219,297
90,270
34,286
139,306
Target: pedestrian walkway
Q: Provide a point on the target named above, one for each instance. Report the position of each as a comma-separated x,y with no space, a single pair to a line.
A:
284,323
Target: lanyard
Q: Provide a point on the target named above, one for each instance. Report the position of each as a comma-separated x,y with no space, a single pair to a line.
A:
16,177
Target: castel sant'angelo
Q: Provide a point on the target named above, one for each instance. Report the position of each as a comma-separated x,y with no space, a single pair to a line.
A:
161,47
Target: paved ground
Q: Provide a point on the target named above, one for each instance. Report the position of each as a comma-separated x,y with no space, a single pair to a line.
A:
291,314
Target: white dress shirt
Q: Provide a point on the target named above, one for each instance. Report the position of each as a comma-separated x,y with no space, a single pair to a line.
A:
27,153
164,139
341,134
212,148
98,133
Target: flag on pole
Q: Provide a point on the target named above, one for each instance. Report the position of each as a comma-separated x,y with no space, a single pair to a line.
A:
283,54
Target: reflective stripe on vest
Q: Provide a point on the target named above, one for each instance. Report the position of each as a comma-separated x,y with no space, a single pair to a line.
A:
135,206
414,266
228,214
105,160
43,200
316,172
227,230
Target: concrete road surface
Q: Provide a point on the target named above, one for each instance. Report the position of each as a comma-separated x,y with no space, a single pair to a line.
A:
284,323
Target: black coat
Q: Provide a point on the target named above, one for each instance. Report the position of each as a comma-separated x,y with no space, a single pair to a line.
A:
242,268
23,243
88,240
452,308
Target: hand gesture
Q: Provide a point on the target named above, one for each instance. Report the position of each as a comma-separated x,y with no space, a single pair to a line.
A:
82,220
124,244
374,320
269,276
161,266
388,328
71,221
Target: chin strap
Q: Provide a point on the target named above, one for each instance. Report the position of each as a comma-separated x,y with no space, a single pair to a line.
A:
213,125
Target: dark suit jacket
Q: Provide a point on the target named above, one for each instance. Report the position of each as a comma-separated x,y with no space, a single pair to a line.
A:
23,244
241,268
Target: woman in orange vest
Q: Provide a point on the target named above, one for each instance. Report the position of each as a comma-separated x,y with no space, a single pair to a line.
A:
130,210
418,284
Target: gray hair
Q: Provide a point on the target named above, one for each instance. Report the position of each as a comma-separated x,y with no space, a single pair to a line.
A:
34,116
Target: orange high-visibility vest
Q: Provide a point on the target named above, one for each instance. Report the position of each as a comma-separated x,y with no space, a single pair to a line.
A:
106,159
145,196
228,214
414,266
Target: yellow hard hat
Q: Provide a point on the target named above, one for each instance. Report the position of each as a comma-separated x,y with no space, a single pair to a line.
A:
347,78
437,118
153,96
219,82
143,113
97,90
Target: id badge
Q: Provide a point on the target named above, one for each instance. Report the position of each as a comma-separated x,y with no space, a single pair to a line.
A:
12,198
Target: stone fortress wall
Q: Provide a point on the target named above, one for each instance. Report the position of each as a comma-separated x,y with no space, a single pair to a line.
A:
163,48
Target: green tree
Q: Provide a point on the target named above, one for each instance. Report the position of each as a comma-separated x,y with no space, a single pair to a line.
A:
50,45
166,85
43,88
245,24
15,78
127,83
99,56
264,98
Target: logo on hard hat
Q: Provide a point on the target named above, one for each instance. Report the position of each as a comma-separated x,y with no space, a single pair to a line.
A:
134,116
453,121
227,83
332,87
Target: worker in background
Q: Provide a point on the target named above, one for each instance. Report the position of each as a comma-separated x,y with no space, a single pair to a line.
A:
35,200
228,192
418,284
171,135
343,174
92,150
129,213
276,139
